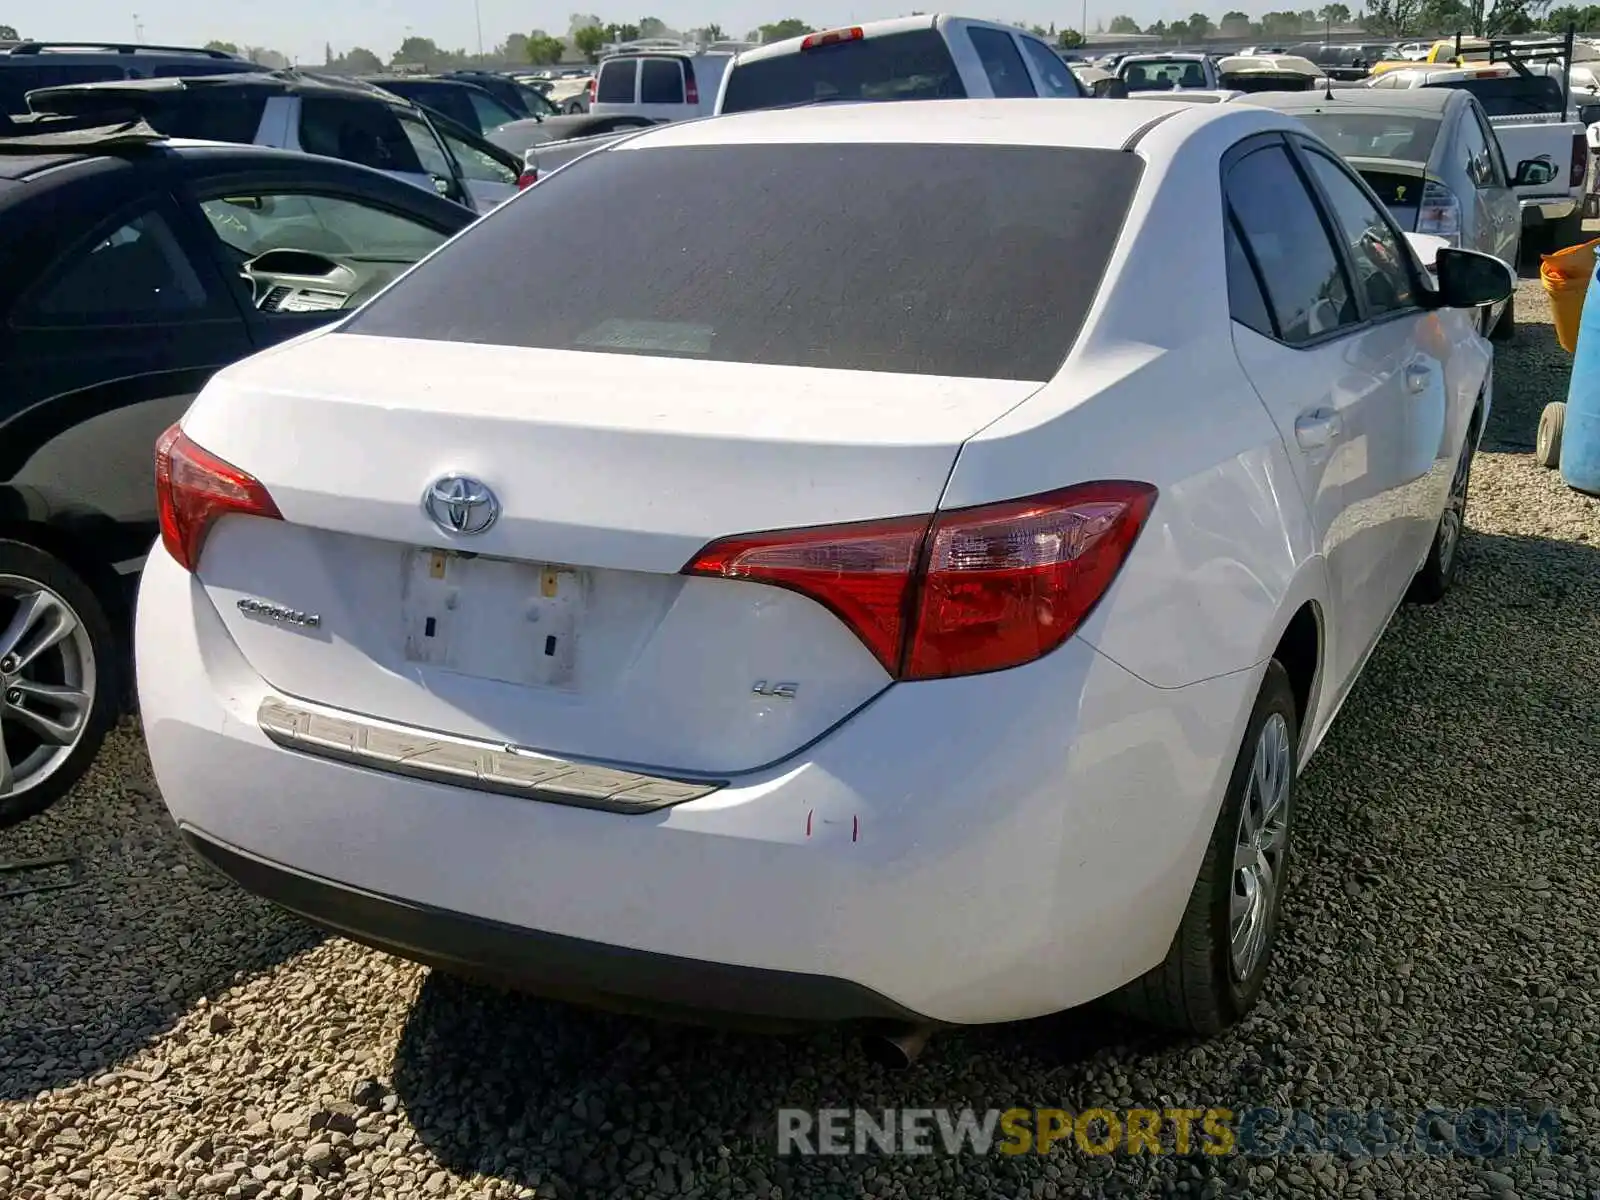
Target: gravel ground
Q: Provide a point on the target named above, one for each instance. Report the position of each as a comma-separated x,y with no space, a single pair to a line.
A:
162,1034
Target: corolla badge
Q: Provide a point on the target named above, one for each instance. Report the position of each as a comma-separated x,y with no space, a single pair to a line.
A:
460,504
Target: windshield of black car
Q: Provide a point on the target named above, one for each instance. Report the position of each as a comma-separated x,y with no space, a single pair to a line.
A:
1375,135
846,256
915,65
1511,95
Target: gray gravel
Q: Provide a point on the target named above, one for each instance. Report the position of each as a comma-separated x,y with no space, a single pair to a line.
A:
162,1034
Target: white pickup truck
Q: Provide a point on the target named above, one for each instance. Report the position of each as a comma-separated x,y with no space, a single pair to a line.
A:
1525,91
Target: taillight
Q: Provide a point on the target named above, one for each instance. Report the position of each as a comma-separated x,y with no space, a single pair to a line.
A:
1439,213
691,89
833,37
1580,159
959,592
193,488
527,179
591,89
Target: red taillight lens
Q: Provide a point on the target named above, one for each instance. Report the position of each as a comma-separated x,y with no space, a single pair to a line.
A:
833,37
193,488
863,572
965,591
691,89
1580,159
527,179
591,90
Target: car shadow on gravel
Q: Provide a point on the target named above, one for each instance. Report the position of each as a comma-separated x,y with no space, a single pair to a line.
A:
1427,780
92,974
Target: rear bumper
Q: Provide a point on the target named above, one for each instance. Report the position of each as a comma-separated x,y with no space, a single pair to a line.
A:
971,850
1549,208
547,964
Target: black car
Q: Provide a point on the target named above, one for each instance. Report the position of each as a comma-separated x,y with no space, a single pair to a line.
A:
521,98
464,103
136,267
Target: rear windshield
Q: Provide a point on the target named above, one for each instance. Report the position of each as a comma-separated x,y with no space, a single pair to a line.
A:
1375,135
1512,95
17,81
899,66
1401,193
615,85
975,261
1162,74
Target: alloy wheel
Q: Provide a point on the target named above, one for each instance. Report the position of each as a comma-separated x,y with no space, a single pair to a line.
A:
47,683
1259,847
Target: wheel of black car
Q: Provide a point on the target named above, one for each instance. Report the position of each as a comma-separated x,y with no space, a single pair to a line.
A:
1439,569
1547,442
1506,327
57,679
1214,971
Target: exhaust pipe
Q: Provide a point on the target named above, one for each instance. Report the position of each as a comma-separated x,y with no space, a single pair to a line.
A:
896,1048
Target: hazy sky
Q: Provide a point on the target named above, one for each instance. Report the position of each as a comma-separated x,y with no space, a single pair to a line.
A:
301,27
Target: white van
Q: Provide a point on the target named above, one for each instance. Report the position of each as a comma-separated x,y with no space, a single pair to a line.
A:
659,79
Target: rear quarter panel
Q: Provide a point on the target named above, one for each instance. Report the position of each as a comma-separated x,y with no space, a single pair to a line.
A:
1154,392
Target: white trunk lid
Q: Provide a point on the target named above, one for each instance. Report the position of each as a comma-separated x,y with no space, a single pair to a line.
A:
572,632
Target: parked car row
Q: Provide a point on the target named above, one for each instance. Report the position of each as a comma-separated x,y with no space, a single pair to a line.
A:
437,648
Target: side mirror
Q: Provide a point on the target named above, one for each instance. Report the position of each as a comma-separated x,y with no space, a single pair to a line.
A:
1468,279
1588,114
1110,89
1534,172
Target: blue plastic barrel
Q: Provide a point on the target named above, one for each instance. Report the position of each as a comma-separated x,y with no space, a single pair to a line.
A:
1580,438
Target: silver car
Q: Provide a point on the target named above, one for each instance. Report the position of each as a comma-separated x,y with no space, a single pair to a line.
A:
1432,158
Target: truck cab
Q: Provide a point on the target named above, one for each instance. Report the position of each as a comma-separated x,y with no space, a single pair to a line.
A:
923,57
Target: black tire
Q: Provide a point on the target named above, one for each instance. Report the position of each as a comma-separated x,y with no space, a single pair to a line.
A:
1438,570
1547,442
28,563
1505,329
1196,990
1568,231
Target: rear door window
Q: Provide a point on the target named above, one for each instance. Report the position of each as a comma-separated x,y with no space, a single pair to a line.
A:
476,163
915,65
745,254
660,81
135,273
357,131
1002,62
615,85
1055,78
17,81
225,115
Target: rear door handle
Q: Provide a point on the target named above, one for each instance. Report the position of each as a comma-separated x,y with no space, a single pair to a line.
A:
1417,378
1317,428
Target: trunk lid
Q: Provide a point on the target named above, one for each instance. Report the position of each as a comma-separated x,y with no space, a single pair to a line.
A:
564,627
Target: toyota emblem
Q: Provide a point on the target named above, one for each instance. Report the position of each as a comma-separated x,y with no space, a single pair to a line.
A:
459,504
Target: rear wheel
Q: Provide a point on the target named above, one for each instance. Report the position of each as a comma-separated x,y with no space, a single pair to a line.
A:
1568,231
1218,961
57,679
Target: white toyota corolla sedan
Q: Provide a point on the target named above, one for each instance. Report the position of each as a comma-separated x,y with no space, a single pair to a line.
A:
901,581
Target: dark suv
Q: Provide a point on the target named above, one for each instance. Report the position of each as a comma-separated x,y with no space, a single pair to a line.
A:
28,66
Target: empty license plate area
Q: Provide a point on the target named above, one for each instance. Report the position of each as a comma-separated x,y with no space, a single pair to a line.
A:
515,622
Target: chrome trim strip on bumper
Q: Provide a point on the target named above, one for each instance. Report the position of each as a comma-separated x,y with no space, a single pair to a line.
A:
467,762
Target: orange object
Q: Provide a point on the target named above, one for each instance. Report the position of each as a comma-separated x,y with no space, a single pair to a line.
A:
1565,275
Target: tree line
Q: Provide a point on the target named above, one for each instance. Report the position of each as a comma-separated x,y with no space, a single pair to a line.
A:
1386,18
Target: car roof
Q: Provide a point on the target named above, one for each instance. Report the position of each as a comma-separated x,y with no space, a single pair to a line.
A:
1422,101
290,82
869,29
1092,124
